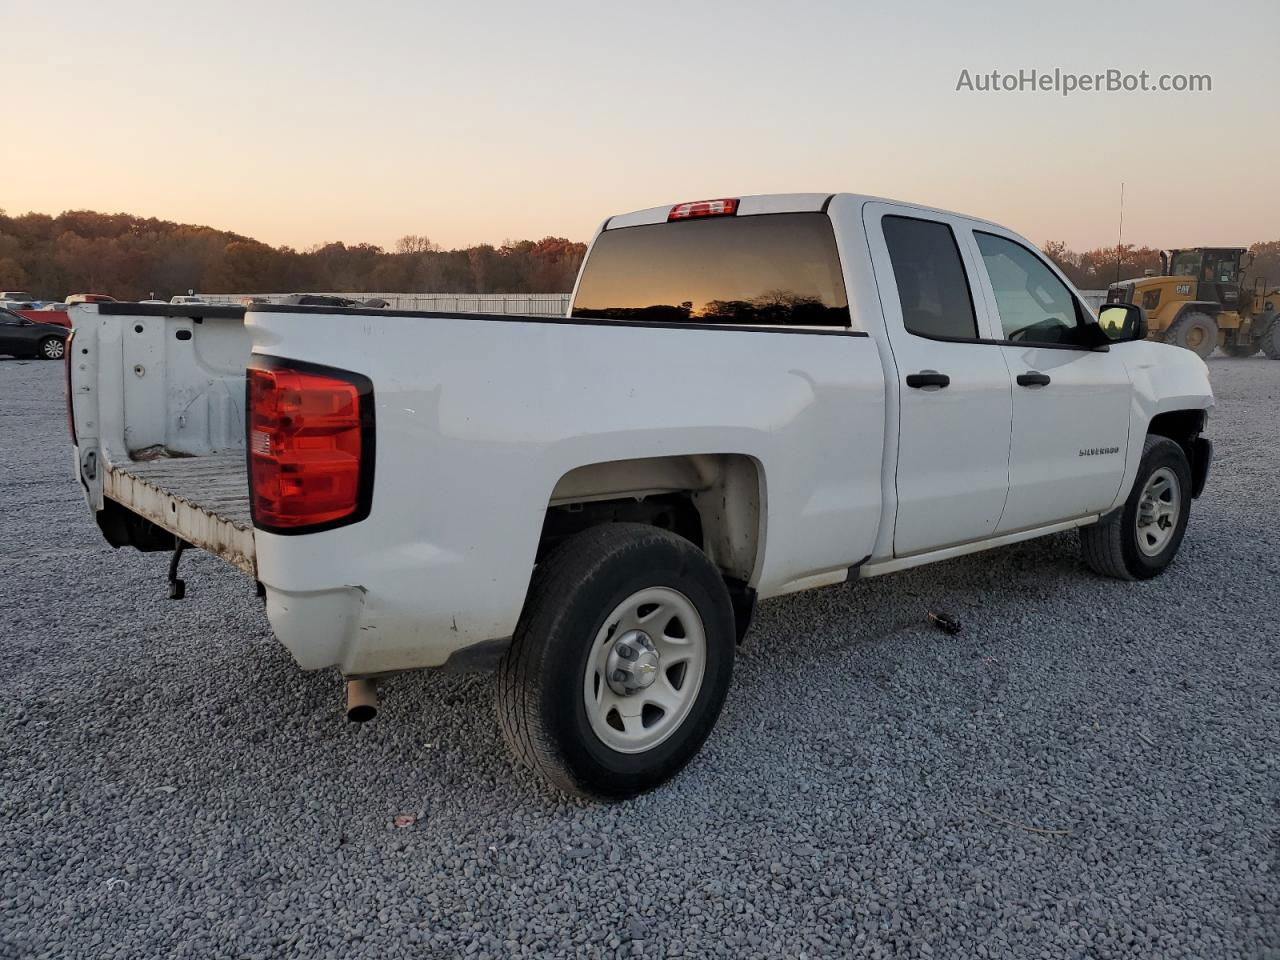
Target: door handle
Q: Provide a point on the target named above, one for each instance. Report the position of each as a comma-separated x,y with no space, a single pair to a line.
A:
1033,378
928,378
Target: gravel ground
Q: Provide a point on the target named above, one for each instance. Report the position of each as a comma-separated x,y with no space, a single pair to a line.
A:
1090,769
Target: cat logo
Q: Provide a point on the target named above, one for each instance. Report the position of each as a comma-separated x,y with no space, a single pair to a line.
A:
1184,289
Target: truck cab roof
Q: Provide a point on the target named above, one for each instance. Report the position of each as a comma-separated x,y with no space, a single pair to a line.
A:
764,203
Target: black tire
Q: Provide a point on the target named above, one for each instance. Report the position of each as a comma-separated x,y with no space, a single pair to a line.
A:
52,348
1195,331
1269,342
540,697
1111,547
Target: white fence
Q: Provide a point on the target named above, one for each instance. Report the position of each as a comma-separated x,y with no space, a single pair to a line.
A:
535,304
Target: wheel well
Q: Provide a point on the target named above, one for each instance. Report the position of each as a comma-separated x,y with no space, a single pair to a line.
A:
713,500
1183,428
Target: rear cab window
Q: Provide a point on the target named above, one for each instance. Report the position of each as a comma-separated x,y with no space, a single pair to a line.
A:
779,269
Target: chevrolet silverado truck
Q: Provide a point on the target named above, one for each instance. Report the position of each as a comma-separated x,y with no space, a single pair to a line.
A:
749,397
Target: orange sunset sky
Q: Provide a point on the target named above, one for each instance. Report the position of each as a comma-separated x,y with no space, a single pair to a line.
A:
468,122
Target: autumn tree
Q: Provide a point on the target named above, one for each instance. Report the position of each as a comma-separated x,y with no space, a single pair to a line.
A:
416,243
1266,263
12,276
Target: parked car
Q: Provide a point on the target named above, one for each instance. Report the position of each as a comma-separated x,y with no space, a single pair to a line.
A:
21,295
749,397
90,298
330,300
184,298
23,337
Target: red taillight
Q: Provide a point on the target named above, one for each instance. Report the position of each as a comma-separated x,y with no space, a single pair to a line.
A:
310,436
703,208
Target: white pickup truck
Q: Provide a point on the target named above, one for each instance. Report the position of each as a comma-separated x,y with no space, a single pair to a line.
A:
749,397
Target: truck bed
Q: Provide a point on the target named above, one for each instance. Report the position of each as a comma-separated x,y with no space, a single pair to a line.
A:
158,414
204,500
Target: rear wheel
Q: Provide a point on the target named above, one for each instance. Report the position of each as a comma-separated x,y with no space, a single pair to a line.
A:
1139,540
1197,332
620,662
52,348
1270,339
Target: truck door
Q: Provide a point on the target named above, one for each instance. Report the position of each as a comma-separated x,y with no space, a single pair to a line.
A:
955,398
1070,400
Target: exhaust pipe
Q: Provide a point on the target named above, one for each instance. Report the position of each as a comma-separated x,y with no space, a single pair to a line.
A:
362,700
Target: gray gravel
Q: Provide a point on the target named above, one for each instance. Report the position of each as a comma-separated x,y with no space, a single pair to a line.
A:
1090,769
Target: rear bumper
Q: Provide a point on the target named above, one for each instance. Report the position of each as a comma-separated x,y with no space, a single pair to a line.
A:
344,628
1201,458
364,634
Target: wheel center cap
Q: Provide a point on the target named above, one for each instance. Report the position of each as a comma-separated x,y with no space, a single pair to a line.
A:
633,663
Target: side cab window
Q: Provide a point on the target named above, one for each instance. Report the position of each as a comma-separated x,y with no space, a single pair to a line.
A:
932,284
1034,305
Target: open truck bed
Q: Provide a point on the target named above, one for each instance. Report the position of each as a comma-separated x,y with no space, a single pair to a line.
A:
159,424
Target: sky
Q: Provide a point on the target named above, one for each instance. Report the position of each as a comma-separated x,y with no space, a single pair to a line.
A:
301,123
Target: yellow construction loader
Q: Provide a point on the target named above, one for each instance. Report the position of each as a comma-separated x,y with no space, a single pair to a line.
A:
1202,300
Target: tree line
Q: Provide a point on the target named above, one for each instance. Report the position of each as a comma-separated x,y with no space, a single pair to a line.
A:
1099,268
133,258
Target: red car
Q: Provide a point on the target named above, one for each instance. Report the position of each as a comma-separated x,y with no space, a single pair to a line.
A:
59,317
56,317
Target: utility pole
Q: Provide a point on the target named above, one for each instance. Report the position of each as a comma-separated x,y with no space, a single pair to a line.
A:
1120,237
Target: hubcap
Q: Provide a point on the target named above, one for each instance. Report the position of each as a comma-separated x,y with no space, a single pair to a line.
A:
645,669
1195,336
1158,511
53,349
633,663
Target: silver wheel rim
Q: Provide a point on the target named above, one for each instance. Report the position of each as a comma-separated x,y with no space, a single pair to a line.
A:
645,670
53,349
1158,510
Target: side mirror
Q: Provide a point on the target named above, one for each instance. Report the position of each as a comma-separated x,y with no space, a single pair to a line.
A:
1122,322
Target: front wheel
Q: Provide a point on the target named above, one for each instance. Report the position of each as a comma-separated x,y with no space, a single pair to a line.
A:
620,662
52,348
1140,539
